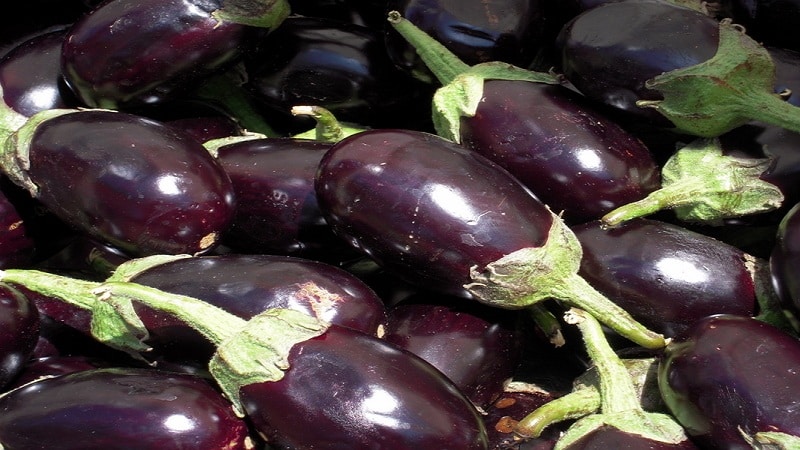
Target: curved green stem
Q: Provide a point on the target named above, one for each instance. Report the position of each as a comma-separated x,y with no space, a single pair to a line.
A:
576,404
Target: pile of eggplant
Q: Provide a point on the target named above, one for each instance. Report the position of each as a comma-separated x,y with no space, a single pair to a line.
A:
400,224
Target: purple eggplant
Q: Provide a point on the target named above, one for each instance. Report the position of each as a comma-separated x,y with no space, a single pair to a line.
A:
17,244
358,392
30,75
277,210
127,53
449,220
673,65
118,408
19,322
572,157
785,258
510,31
477,347
730,380
339,66
665,275
126,180
55,365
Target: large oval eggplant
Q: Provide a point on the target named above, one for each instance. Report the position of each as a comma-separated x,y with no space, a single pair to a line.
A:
129,181
359,392
608,52
575,159
425,208
730,377
134,52
19,332
666,276
121,409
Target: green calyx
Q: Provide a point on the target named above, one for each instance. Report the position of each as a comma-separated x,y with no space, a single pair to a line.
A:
256,13
620,405
462,85
259,351
531,275
701,184
730,89
774,440
328,128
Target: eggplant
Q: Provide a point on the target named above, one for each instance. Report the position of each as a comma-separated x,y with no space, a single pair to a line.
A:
30,75
665,275
287,219
131,52
784,259
477,347
732,383
339,66
508,30
447,219
19,322
120,408
17,243
675,66
573,158
126,180
358,392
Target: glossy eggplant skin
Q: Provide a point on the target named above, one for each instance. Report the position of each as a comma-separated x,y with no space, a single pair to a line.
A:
346,389
784,260
120,408
340,66
17,245
130,181
607,437
572,157
424,208
277,210
478,347
476,32
30,75
664,275
246,285
608,52
133,52
19,332
732,375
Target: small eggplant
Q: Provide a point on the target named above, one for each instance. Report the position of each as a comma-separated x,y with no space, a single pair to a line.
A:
475,346
573,158
118,408
126,180
674,66
127,53
19,322
732,382
667,276
449,220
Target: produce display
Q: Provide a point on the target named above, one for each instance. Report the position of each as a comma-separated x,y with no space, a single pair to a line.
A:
400,224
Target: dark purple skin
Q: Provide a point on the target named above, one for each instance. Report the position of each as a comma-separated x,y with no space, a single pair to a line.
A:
132,182
664,275
478,347
120,408
339,66
772,22
52,366
784,260
206,128
277,210
476,32
572,157
426,209
729,375
30,75
607,437
19,332
346,389
133,52
17,246
610,51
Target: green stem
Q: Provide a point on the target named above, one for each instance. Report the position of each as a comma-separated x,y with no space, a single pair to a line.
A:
576,404
667,197
328,128
215,324
548,323
771,109
439,59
